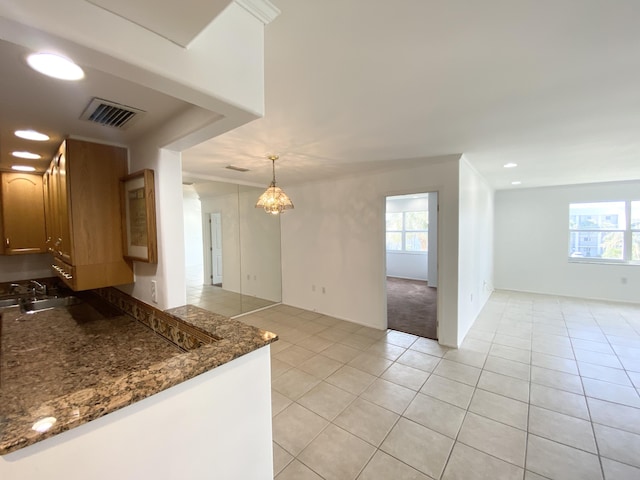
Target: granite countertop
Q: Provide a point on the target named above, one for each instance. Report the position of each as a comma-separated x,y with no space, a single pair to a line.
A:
81,362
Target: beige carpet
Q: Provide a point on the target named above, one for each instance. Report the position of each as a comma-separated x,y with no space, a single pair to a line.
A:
411,307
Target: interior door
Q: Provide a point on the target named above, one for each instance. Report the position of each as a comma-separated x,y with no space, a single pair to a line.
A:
216,249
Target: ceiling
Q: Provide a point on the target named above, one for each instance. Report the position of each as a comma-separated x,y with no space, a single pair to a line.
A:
355,85
33,101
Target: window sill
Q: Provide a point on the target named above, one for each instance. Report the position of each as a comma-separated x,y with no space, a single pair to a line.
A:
404,252
594,261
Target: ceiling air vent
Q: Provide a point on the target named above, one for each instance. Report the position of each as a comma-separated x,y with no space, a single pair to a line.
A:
237,169
111,114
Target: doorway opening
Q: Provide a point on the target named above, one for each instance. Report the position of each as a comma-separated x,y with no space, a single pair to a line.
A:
412,263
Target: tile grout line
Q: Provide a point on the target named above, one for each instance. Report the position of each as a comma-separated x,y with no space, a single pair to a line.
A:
593,430
526,442
466,413
400,415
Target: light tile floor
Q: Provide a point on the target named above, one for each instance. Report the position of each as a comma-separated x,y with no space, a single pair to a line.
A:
223,301
542,387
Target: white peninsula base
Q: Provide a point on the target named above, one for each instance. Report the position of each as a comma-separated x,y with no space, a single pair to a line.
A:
214,426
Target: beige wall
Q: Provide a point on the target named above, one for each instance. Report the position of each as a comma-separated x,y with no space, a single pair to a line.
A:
335,239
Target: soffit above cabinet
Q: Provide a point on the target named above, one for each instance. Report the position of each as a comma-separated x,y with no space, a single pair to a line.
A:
160,16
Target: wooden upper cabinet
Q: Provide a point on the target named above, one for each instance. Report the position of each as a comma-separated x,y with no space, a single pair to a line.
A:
49,214
23,217
85,220
58,199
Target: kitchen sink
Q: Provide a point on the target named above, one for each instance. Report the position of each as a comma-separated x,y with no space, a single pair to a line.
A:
8,302
33,306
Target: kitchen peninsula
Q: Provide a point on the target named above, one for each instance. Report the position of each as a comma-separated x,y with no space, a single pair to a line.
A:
147,394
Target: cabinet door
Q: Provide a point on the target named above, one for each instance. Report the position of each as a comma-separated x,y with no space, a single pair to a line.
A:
62,242
49,211
84,205
23,213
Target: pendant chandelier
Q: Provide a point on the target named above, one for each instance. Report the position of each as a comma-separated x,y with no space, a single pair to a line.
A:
274,200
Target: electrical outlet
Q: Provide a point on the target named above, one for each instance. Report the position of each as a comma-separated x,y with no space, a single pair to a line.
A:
313,288
154,291
324,290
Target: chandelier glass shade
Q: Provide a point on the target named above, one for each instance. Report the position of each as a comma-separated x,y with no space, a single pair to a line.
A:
274,200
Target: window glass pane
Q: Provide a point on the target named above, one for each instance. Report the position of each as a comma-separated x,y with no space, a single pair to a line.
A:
394,221
635,247
635,215
597,216
394,241
605,245
416,220
416,242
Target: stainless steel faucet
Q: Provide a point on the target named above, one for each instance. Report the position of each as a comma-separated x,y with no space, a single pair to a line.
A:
38,287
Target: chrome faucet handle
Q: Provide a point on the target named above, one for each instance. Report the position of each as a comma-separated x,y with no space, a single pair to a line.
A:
38,287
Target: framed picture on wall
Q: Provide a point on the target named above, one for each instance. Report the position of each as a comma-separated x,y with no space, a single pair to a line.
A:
139,216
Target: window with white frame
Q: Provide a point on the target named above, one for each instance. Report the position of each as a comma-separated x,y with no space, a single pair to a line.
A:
605,231
407,231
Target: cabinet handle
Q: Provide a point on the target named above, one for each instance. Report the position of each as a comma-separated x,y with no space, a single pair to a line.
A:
62,272
6,242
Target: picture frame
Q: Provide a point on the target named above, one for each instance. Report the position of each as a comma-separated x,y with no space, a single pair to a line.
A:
139,235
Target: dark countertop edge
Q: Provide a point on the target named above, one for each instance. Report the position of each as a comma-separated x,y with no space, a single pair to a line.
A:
91,403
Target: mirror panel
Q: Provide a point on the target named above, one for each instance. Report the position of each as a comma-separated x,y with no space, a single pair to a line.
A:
261,282
240,268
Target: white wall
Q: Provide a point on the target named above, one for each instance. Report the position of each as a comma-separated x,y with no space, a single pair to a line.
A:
432,263
532,240
216,425
337,241
169,272
193,248
412,265
407,265
475,264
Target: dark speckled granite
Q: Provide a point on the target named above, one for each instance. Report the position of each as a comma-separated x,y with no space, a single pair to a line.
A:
79,363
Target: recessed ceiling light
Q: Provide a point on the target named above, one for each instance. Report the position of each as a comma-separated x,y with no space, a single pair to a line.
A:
510,165
31,135
23,168
517,182
27,155
55,66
